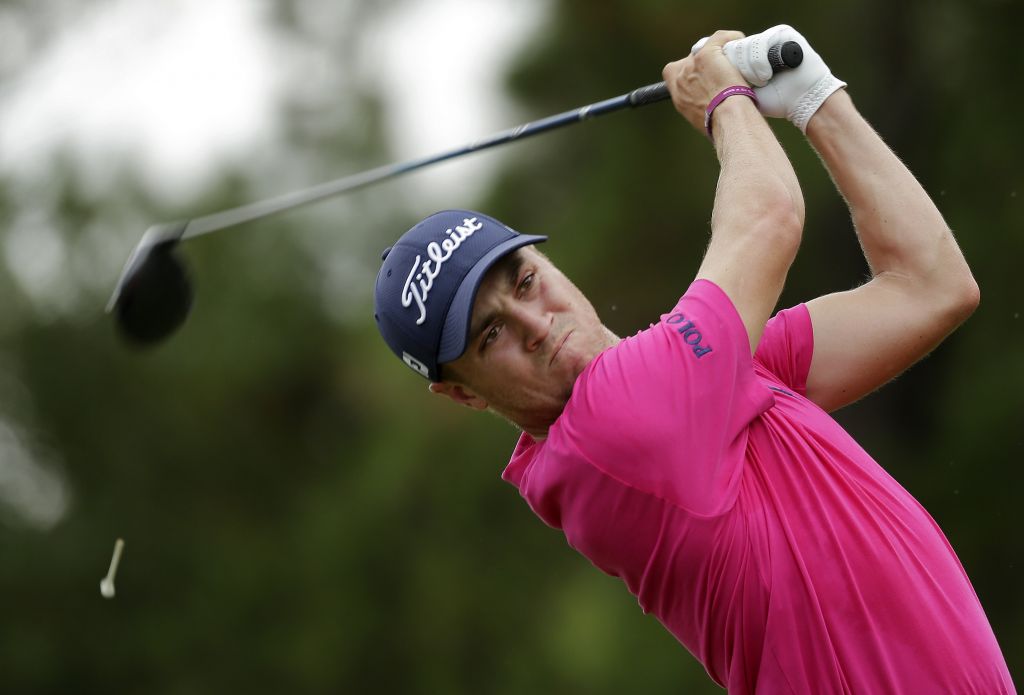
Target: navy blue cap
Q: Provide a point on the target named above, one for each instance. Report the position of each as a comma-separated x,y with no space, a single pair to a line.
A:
428,283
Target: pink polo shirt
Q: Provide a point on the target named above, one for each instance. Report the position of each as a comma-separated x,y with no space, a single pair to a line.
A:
749,522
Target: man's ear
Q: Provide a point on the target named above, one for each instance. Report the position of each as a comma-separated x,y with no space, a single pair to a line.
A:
458,393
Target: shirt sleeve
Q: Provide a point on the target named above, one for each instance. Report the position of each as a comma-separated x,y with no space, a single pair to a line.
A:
666,411
786,347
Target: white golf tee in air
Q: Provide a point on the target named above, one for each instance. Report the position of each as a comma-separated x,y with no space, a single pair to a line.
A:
107,584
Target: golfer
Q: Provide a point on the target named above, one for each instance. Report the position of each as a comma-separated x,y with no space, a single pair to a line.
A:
696,460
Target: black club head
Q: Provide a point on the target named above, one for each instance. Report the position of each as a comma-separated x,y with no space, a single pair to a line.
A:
154,295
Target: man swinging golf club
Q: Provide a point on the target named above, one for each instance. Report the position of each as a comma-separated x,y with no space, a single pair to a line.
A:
696,460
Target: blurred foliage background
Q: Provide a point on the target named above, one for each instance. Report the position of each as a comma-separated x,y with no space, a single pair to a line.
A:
302,516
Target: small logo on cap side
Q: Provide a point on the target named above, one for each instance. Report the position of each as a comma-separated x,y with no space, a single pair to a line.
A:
419,290
416,365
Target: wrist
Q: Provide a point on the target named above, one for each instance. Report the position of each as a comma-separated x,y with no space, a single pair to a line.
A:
831,115
721,99
808,105
731,116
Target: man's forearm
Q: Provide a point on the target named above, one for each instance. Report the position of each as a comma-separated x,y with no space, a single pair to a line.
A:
758,215
899,227
757,176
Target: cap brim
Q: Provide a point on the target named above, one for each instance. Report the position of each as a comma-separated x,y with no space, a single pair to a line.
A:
455,334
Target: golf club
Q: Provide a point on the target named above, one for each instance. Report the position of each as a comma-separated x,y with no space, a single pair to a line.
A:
153,296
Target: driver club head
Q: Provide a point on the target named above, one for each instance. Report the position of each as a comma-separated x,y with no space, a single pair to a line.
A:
154,295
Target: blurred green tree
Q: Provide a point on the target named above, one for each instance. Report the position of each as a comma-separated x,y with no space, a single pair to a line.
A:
302,516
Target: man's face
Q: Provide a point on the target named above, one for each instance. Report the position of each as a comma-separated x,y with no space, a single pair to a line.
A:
532,332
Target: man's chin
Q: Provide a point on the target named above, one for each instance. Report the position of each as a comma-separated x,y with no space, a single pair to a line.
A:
544,411
560,403
551,411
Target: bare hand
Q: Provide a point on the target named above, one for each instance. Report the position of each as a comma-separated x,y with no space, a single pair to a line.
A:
695,80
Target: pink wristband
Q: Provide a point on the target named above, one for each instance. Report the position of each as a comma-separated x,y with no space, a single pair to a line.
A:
722,96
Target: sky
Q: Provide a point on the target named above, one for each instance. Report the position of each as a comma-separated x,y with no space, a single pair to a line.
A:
184,85
185,88
112,83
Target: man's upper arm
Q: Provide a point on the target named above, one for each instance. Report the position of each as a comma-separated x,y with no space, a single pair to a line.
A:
786,348
751,269
867,336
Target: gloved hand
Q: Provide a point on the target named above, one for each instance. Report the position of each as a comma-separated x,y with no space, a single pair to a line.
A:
794,94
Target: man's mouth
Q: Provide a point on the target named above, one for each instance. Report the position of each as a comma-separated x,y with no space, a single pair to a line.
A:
558,348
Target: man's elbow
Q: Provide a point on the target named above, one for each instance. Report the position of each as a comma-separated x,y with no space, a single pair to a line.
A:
967,298
958,296
769,229
785,220
949,285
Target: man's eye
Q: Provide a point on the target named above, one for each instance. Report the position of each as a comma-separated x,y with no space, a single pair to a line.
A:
526,282
492,335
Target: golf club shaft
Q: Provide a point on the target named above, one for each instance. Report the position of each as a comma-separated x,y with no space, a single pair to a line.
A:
254,211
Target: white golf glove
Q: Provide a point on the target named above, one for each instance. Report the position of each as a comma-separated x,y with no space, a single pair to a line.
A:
795,94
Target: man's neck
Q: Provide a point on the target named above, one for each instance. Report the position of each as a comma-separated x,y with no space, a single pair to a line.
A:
540,431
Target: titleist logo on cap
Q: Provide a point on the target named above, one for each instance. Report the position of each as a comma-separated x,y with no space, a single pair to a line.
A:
421,277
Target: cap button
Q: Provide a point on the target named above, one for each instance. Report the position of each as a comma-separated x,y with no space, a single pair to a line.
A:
384,255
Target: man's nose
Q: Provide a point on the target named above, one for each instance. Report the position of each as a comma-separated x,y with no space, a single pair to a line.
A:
536,326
